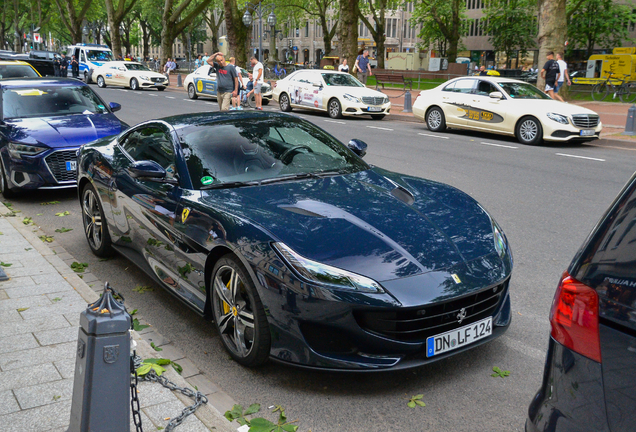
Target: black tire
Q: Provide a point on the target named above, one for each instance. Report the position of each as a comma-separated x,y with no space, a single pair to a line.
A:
95,226
134,84
265,101
377,116
600,91
101,83
529,131
283,101
334,109
87,80
161,88
192,93
435,120
251,101
238,313
4,182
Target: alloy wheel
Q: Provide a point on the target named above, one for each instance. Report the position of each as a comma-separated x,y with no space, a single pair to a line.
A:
284,102
528,130
100,82
92,216
434,119
334,109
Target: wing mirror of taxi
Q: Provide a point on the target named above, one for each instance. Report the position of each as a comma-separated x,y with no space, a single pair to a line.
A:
357,146
123,69
114,106
317,84
496,95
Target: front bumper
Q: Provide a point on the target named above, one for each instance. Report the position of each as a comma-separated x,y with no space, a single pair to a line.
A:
153,84
557,132
48,170
355,108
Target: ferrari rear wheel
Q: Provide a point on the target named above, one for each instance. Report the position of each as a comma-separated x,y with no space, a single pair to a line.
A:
95,227
134,84
529,131
239,314
100,82
192,93
435,121
4,184
283,101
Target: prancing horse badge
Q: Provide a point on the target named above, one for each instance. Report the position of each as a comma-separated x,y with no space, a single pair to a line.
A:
184,214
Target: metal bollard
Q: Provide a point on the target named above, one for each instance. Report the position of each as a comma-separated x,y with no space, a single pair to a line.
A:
179,83
407,102
101,388
630,124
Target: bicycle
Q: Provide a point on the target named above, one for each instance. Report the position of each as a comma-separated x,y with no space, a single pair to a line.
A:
623,91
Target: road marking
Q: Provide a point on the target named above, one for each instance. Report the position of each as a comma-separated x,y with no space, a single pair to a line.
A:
498,145
169,97
150,94
580,157
378,127
188,100
210,103
335,121
434,136
124,90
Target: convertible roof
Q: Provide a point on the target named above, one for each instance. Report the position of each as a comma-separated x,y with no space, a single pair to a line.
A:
185,120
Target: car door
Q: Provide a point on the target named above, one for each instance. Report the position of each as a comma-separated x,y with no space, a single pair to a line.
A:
204,82
144,211
109,76
456,101
486,112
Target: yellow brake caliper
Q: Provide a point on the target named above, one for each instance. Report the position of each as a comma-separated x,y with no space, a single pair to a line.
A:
226,307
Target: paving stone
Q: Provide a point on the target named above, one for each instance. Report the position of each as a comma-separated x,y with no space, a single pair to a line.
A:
152,393
34,290
10,316
172,353
17,282
17,342
71,302
48,279
50,337
3,295
145,422
32,271
89,277
66,367
55,415
44,394
28,326
28,376
14,261
37,356
221,401
189,369
8,404
64,256
157,414
25,302
155,338
203,384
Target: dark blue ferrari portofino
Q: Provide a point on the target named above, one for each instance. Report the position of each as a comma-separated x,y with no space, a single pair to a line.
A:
44,121
297,249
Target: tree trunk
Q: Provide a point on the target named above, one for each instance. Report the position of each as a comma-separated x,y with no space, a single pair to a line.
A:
115,38
237,32
167,39
348,34
379,43
451,52
552,30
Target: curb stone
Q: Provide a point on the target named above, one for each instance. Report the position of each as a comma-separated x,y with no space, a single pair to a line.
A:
208,414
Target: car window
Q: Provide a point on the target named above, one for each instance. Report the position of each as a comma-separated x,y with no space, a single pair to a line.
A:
341,80
99,55
450,87
303,77
136,67
17,71
518,90
49,101
464,86
484,88
152,143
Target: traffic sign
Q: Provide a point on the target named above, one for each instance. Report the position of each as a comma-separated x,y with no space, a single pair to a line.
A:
37,38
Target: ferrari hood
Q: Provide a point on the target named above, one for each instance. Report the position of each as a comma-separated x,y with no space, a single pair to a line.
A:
367,223
63,131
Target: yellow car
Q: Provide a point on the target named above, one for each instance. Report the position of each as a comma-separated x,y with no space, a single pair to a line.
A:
17,69
129,74
504,106
338,93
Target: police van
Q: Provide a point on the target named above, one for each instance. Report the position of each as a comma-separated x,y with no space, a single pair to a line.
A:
90,57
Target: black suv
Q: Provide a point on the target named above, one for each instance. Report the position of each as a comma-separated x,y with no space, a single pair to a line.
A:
589,381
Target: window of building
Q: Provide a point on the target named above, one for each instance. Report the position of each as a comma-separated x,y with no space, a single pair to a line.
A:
306,28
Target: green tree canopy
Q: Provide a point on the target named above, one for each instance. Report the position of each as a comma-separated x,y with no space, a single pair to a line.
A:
511,25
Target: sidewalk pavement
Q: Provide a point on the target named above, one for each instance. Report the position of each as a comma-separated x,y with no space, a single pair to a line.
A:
40,306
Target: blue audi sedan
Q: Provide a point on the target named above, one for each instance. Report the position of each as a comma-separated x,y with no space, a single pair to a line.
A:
44,121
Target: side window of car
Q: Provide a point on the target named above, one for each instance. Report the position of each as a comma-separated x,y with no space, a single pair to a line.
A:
449,88
484,88
464,86
152,143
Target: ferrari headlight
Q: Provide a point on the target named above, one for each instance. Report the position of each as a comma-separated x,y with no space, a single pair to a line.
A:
324,274
558,118
501,243
17,150
351,98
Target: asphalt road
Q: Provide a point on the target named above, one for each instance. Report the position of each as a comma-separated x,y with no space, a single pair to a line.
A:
546,198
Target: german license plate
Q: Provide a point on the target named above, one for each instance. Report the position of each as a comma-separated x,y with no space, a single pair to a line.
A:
71,166
458,338
587,132
375,109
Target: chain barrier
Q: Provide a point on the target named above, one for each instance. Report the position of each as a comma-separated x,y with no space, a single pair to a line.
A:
135,362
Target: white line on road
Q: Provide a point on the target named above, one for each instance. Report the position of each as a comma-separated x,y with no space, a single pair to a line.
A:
434,136
335,121
580,157
210,103
123,90
150,94
498,145
378,127
170,97
188,100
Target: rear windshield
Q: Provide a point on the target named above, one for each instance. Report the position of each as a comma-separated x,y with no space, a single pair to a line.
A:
17,71
47,101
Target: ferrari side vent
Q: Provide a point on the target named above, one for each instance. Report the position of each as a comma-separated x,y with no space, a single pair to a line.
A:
301,211
403,195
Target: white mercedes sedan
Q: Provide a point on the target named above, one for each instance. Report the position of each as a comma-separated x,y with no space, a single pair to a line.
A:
505,106
338,93
129,74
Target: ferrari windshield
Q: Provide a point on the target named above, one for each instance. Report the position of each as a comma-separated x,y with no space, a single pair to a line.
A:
48,101
253,150
99,55
136,67
341,80
522,91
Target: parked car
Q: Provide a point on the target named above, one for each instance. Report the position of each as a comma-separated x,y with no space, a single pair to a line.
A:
17,69
133,75
505,106
589,380
299,250
202,82
338,93
44,122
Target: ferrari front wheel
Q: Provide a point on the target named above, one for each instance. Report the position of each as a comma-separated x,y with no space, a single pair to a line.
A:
95,227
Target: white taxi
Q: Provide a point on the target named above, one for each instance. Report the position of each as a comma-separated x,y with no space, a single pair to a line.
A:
505,106
129,74
203,83
338,93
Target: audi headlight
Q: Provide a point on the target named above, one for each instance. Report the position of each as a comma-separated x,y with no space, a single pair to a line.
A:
351,98
558,118
323,274
17,150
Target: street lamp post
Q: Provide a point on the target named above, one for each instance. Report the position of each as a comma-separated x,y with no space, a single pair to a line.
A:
260,10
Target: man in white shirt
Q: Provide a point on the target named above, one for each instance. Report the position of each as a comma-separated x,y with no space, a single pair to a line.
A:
564,76
257,73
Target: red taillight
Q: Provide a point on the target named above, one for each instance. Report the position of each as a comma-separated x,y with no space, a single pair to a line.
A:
574,317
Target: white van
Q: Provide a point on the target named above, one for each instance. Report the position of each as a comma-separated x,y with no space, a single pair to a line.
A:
90,57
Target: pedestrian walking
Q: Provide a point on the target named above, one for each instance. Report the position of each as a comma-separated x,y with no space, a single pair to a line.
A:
363,67
205,58
199,61
63,66
56,66
226,80
550,72
257,73
343,67
75,67
564,75
236,103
